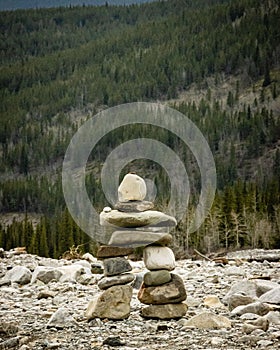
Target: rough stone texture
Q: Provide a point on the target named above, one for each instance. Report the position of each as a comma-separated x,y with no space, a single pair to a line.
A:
164,240
19,274
273,317
208,320
107,282
156,278
135,206
20,304
260,323
113,303
263,286
171,292
72,272
244,287
271,297
132,188
165,312
250,288
133,238
239,299
60,319
158,258
46,274
105,251
145,218
116,266
212,301
257,308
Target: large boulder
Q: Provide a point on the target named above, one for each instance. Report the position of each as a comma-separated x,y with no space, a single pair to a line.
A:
113,303
132,188
168,293
19,274
158,258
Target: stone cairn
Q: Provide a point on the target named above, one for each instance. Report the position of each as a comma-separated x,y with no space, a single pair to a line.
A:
135,224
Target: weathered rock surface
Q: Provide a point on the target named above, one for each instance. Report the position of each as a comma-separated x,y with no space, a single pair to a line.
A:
105,251
171,292
113,303
46,274
271,297
132,188
212,301
19,274
107,282
156,278
61,319
145,218
257,308
237,299
116,266
30,307
208,320
158,258
135,206
134,238
165,312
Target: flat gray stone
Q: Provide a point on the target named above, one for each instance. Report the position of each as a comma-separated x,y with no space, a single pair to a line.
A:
46,274
116,266
134,238
165,312
145,218
134,206
107,282
257,308
271,297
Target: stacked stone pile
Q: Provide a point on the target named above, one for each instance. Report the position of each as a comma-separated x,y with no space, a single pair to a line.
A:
136,224
162,290
114,301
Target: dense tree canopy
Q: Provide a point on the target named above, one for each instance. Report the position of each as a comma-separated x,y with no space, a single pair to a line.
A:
59,66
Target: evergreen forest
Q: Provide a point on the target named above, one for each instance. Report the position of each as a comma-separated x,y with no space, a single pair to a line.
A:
216,61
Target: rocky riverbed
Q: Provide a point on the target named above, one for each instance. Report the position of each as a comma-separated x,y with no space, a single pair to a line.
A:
233,305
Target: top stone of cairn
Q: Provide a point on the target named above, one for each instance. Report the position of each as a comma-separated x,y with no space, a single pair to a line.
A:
132,188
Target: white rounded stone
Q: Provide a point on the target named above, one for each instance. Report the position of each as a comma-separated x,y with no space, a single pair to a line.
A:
107,209
132,188
159,258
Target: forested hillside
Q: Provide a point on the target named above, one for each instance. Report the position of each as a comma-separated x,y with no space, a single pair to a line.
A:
6,5
217,61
